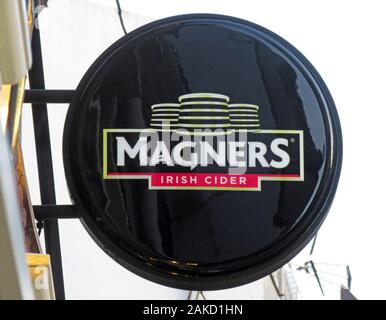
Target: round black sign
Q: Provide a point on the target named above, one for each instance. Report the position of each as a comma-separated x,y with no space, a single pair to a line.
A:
203,151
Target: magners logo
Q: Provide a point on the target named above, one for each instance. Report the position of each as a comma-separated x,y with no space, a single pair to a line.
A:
204,142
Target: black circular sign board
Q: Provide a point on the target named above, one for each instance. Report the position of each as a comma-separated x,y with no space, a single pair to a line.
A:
203,151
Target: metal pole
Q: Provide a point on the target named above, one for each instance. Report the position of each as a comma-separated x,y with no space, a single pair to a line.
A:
276,287
44,161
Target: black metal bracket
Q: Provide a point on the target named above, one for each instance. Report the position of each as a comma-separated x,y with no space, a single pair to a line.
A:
48,96
45,167
46,212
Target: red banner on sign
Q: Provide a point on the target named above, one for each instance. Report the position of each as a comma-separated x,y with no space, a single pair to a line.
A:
204,180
